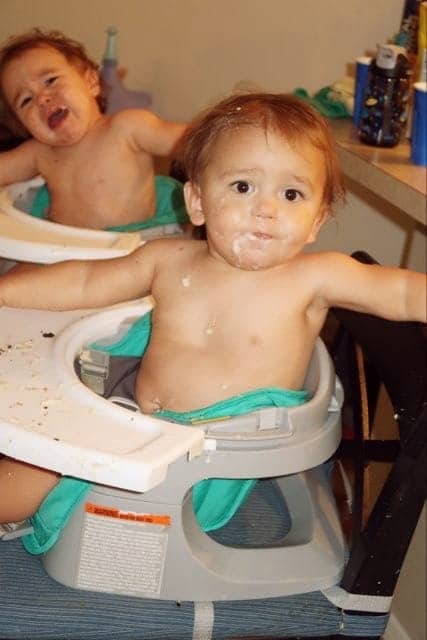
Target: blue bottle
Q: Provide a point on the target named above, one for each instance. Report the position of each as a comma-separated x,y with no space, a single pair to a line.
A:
384,109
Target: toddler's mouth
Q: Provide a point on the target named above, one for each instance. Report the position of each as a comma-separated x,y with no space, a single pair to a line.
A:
57,117
261,236
250,240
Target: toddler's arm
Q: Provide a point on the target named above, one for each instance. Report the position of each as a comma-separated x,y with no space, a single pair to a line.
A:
78,284
150,133
391,293
19,164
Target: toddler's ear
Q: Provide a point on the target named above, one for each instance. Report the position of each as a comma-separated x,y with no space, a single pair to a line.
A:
193,202
93,82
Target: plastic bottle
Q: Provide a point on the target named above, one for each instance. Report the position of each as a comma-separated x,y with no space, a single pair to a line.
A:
117,96
421,68
384,110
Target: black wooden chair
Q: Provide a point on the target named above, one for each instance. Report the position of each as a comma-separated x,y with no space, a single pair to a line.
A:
369,351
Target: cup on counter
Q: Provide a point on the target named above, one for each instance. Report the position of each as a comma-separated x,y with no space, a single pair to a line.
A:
362,72
419,124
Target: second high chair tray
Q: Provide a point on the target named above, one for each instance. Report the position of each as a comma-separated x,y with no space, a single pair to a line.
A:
23,237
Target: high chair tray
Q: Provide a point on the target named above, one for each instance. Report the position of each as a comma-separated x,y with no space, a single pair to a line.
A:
50,419
26,238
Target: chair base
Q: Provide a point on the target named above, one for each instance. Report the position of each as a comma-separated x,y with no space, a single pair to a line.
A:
98,549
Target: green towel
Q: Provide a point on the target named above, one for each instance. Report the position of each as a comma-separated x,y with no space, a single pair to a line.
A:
41,203
323,103
215,500
54,513
170,208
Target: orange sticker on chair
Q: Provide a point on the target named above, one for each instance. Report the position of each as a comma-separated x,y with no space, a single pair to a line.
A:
112,512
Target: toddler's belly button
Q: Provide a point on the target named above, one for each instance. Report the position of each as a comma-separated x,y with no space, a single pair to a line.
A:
152,405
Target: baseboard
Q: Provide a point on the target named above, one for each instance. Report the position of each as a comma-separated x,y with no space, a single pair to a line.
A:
395,631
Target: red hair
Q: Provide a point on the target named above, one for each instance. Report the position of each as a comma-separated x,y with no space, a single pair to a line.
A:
72,51
289,116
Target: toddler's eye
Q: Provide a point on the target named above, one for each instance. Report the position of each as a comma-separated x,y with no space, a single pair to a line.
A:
241,186
292,194
24,102
50,80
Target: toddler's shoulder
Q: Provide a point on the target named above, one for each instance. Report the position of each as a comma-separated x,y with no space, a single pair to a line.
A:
319,267
172,248
31,147
325,260
316,260
130,118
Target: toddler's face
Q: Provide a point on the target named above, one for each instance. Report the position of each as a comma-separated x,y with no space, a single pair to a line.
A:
52,98
261,199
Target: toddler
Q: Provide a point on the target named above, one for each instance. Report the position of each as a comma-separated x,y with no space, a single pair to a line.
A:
98,169
236,315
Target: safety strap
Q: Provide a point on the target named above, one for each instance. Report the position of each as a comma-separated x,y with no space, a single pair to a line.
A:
94,368
204,615
11,530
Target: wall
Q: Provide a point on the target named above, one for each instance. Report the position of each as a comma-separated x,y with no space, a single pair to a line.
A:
409,620
188,53
368,222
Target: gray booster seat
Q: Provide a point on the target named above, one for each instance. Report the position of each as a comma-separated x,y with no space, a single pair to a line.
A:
135,532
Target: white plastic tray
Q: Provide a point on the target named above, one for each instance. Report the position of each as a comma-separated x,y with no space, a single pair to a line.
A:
50,419
26,238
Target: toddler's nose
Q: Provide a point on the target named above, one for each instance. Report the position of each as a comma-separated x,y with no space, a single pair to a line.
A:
44,97
266,208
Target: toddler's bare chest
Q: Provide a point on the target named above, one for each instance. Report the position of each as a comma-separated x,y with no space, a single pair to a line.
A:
220,317
90,170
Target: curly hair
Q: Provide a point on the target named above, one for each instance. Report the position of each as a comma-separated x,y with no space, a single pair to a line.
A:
292,118
72,51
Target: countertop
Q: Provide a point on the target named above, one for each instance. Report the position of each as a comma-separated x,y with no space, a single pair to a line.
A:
388,172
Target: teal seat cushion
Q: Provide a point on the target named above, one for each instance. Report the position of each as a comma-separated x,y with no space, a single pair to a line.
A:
170,208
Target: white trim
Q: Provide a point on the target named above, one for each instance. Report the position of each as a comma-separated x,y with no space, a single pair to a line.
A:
395,631
357,602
